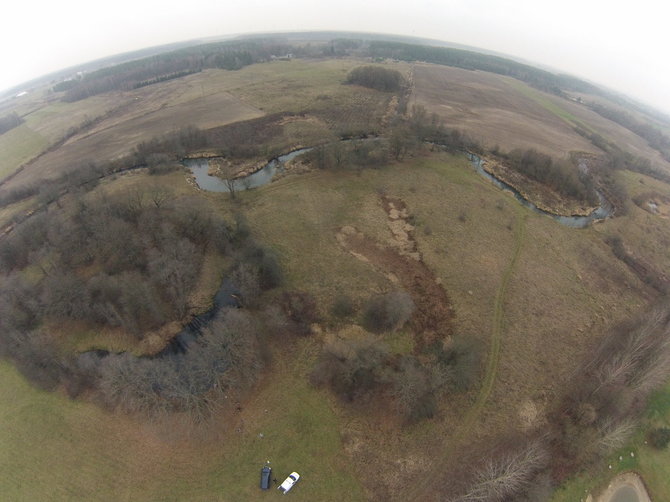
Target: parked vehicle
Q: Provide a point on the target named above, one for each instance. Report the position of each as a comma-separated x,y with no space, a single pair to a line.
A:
289,482
266,477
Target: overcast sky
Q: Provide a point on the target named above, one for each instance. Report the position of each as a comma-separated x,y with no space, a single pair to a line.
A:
621,44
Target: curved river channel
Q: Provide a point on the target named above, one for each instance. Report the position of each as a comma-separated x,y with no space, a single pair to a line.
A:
200,169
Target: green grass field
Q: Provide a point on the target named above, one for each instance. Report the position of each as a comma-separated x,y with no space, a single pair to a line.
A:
52,448
652,464
19,146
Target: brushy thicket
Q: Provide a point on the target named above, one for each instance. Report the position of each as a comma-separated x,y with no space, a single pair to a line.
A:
131,261
362,367
597,413
146,256
376,77
226,356
561,175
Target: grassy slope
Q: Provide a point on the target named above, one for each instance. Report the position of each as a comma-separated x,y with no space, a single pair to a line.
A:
465,230
52,448
566,288
18,146
45,123
645,235
465,233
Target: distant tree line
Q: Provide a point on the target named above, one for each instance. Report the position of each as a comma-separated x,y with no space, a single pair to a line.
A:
164,78
376,77
65,85
469,60
9,121
154,69
653,135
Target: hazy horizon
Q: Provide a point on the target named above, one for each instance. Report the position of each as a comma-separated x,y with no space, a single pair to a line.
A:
621,47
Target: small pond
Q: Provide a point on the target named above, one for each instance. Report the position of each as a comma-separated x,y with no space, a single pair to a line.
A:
625,494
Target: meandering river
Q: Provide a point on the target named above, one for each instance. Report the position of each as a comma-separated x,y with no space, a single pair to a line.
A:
200,169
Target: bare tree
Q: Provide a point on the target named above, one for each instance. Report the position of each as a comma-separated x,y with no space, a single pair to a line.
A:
231,186
508,474
159,195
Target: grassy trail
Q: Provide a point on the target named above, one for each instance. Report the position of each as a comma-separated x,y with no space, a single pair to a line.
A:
498,324
460,435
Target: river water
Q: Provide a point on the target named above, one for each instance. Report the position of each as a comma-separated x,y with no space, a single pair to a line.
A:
600,213
200,169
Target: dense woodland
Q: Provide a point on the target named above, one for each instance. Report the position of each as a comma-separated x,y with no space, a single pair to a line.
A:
147,71
130,262
9,122
376,77
476,61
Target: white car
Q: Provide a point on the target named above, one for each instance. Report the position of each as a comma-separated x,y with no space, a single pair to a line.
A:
289,482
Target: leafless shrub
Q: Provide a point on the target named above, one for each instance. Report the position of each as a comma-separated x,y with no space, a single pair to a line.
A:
301,310
508,474
388,312
614,434
352,367
225,357
609,390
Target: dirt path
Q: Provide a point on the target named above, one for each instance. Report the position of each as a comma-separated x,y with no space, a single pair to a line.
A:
498,321
456,440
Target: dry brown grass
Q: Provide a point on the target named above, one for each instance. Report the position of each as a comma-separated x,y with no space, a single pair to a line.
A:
564,291
612,131
492,110
141,115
